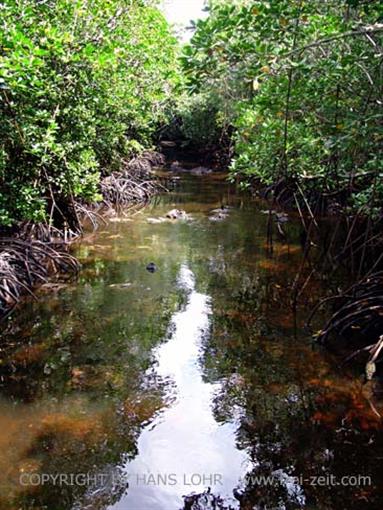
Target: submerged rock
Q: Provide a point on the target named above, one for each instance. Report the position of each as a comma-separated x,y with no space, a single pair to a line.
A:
201,170
219,214
155,221
120,285
222,209
280,217
174,214
177,214
176,167
218,217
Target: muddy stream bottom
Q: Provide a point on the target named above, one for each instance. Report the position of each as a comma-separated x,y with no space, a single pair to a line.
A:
129,389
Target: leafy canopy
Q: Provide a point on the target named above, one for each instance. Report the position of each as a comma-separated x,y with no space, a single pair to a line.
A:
301,82
83,83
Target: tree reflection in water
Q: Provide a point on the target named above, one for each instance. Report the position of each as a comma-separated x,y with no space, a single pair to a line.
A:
79,376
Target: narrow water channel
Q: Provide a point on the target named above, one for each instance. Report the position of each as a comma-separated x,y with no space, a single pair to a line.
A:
155,385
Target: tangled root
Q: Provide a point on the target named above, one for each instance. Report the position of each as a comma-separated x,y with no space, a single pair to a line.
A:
134,183
358,318
39,250
142,165
26,264
359,307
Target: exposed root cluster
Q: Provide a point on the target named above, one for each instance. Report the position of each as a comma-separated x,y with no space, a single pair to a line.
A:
329,244
25,264
360,309
143,164
127,187
358,317
40,250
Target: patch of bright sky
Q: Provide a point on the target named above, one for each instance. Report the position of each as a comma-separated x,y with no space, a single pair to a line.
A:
181,12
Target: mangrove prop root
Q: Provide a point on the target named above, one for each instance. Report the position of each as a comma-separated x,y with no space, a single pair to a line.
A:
357,314
40,250
25,264
134,184
359,308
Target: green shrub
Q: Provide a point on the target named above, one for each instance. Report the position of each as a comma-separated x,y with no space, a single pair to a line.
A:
200,121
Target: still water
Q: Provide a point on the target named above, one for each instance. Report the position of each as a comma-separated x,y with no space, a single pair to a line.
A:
152,386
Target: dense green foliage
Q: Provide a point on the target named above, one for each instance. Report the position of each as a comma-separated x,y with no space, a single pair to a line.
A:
200,118
86,83
302,84
83,83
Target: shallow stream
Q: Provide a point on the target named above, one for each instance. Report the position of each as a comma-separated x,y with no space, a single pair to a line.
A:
142,387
